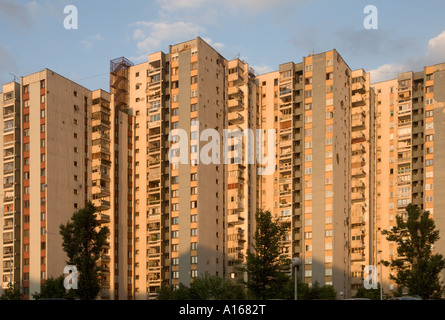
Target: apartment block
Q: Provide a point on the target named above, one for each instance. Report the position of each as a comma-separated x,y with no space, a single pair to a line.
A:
350,156
54,135
409,118
362,210
324,190
11,220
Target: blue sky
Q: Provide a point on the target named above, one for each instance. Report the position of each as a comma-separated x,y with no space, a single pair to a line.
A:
265,33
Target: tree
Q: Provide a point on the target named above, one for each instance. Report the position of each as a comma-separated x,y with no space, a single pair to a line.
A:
83,239
266,266
418,268
54,288
206,287
11,293
372,294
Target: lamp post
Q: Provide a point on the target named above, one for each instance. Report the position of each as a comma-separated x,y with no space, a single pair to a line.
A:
295,263
381,276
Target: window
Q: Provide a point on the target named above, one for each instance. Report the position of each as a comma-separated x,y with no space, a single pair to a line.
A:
194,204
308,119
308,93
308,273
329,141
42,113
194,93
194,177
175,220
329,193
308,67
175,234
194,79
194,232
328,233
194,259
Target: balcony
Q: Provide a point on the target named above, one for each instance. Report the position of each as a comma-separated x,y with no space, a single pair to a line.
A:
235,105
104,218
235,219
357,256
355,219
357,196
284,93
358,136
100,148
358,122
100,191
358,172
235,118
358,100
358,87
101,205
105,257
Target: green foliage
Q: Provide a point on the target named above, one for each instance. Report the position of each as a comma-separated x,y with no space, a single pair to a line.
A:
83,239
54,289
418,268
267,266
373,294
11,293
206,287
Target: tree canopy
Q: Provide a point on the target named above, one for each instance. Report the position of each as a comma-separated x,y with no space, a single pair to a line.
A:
417,266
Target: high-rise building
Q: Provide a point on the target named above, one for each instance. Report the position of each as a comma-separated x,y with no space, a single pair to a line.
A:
325,190
409,158
164,157
11,219
55,129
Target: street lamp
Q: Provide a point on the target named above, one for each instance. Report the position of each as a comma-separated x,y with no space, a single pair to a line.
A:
381,276
295,263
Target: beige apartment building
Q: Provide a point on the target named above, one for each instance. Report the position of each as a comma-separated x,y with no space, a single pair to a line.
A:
321,111
57,151
177,96
409,118
350,156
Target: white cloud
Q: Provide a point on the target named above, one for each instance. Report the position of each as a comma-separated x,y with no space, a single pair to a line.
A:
262,69
151,35
216,45
433,54
89,41
436,48
174,5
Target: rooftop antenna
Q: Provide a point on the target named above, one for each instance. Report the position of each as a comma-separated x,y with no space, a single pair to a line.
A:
16,79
